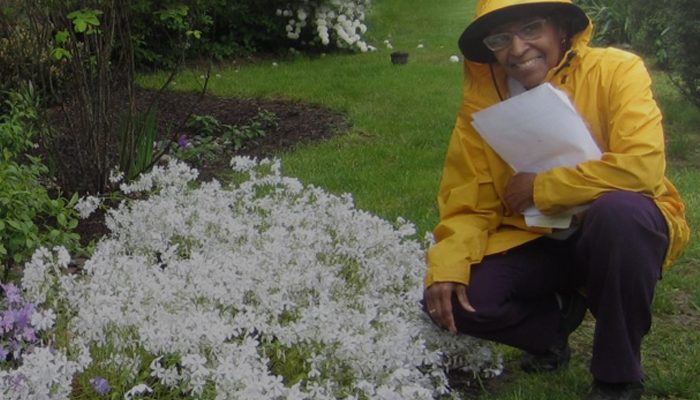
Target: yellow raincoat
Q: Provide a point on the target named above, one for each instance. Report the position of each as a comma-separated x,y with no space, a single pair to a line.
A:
610,88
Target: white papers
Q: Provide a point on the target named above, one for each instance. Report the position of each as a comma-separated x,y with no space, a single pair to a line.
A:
536,131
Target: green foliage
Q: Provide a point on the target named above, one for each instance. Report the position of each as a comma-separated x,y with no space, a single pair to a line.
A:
137,135
239,136
206,125
81,55
213,137
85,20
680,41
204,28
24,50
29,216
611,19
665,29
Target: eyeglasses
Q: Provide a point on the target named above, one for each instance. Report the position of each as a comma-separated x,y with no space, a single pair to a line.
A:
530,31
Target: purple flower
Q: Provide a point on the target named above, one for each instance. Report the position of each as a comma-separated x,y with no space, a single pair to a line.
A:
183,142
7,321
100,385
3,354
29,335
23,316
12,294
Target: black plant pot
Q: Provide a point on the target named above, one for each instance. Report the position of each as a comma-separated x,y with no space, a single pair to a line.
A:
399,58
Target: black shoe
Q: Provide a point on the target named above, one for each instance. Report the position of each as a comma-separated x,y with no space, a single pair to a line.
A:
555,358
615,391
573,309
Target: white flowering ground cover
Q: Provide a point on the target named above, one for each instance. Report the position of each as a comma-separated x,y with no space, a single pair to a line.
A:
264,289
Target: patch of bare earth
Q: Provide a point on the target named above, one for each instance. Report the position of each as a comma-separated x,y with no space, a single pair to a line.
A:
298,123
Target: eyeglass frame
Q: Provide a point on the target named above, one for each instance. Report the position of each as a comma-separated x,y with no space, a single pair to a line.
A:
542,21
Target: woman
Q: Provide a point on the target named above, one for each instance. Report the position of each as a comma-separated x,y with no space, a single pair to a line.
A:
492,276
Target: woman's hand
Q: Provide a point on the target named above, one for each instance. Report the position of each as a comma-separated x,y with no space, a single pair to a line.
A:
438,302
518,193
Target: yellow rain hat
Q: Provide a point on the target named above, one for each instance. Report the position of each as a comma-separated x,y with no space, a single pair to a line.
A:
492,13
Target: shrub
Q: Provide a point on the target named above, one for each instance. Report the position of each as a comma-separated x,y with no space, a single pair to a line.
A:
679,43
265,289
24,54
225,29
29,216
329,22
612,20
666,30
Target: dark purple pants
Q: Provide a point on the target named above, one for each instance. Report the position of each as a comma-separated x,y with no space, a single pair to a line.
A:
616,256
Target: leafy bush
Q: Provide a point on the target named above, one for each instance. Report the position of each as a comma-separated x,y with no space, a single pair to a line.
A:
680,44
328,22
666,30
29,217
265,289
24,55
246,26
612,20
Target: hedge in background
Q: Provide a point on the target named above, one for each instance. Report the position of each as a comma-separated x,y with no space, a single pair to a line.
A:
228,29
667,30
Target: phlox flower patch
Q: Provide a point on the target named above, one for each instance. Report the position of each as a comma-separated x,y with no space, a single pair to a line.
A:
265,289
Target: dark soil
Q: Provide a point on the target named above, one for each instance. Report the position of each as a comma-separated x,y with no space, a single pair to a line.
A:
298,123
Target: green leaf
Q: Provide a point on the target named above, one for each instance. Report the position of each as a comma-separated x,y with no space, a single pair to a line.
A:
73,200
84,20
14,224
61,36
54,234
60,53
80,25
61,218
72,224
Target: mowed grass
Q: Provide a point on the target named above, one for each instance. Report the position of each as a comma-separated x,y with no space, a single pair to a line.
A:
390,161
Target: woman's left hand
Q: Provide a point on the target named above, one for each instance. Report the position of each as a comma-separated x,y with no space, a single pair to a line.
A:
518,192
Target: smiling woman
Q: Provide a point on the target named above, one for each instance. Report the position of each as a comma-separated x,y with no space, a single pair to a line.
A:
494,275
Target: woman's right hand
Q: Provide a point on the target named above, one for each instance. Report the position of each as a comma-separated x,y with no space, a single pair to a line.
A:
438,303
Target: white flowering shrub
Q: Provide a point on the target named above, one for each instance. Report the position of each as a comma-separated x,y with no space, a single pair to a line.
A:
337,22
266,289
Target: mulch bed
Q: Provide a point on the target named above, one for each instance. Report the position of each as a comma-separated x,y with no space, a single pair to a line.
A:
298,123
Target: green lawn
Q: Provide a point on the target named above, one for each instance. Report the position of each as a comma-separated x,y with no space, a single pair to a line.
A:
402,117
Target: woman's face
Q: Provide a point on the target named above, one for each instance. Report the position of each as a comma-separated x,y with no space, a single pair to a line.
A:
528,59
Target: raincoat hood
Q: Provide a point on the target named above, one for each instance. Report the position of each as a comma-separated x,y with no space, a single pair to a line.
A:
492,13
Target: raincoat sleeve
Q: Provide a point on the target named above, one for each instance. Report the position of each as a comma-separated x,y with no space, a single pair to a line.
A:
634,159
469,207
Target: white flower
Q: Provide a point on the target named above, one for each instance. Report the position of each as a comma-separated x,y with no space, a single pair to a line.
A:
43,320
454,58
115,175
420,46
87,205
138,390
225,281
44,374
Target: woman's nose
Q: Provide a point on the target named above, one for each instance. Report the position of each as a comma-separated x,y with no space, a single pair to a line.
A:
518,46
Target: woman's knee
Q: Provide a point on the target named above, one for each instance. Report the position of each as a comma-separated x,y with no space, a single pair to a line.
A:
622,211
